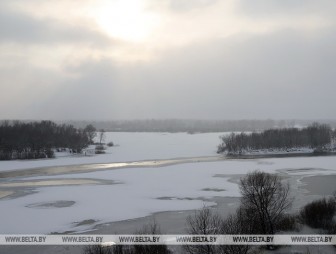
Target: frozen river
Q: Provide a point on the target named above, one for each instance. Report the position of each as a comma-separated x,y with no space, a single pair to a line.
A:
145,174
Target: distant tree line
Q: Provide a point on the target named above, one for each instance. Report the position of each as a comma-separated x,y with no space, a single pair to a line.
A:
194,125
184,125
316,136
190,125
33,140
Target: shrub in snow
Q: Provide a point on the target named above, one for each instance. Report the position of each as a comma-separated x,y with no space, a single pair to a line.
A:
319,213
151,229
100,149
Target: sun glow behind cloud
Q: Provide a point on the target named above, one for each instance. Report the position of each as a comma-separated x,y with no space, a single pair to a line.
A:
173,47
143,30
127,20
146,28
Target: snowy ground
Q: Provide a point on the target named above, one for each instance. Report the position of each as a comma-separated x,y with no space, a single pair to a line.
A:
120,194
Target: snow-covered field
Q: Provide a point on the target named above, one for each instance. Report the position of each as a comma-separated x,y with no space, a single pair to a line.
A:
135,192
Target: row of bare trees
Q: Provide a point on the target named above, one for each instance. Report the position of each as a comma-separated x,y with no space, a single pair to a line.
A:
20,140
150,229
316,136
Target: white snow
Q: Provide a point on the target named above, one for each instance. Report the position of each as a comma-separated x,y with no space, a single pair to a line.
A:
144,190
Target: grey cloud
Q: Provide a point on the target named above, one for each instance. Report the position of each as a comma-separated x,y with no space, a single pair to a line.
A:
22,28
262,8
91,95
23,86
279,76
287,74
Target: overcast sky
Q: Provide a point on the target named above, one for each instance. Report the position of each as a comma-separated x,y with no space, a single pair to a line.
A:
196,59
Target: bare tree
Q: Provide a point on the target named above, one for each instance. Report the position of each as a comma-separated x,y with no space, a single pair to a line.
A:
100,249
237,224
102,136
203,222
91,133
265,197
150,229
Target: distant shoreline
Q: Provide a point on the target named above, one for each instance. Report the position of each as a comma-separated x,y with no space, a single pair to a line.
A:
93,167
279,155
